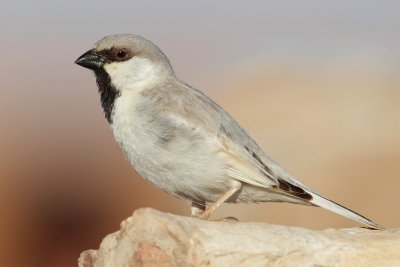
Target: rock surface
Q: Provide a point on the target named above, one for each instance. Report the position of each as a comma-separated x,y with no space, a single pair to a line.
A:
152,238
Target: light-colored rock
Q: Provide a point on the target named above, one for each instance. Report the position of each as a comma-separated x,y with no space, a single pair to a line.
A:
152,238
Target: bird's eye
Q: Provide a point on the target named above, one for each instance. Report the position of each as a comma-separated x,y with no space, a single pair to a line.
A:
121,54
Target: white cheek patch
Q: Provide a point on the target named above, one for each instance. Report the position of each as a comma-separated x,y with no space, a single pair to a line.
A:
134,73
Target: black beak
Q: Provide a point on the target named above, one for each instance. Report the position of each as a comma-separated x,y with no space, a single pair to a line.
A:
91,60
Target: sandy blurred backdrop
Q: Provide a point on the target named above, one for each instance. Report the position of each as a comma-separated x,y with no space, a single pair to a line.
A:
315,83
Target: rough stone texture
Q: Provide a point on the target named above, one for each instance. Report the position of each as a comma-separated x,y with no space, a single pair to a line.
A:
152,238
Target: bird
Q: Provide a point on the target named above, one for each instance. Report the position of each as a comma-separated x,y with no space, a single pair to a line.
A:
180,140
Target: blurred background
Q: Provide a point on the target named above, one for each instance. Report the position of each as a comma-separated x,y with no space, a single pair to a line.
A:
316,83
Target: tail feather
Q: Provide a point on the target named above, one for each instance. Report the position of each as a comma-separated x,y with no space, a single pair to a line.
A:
339,209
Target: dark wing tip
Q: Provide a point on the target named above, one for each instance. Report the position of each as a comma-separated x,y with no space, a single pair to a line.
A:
293,190
283,185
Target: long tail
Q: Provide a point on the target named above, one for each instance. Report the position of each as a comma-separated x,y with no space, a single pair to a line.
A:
339,209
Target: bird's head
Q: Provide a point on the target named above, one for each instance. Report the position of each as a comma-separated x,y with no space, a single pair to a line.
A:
129,61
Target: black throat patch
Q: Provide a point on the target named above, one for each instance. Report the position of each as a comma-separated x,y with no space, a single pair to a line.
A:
108,93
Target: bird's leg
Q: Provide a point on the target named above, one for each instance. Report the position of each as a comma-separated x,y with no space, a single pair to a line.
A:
197,208
207,213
